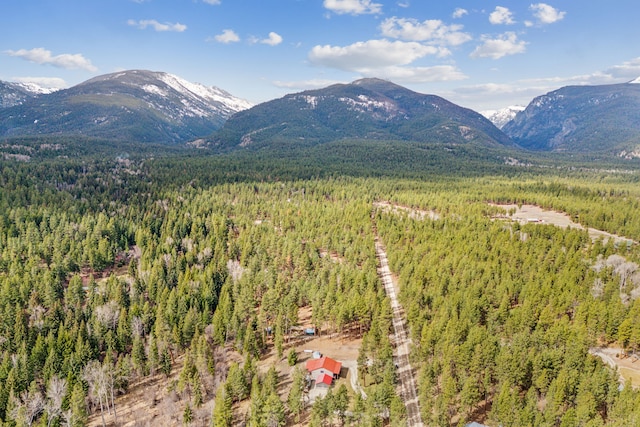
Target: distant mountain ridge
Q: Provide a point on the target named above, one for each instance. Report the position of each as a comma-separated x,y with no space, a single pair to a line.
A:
365,109
147,106
12,94
603,118
502,116
136,105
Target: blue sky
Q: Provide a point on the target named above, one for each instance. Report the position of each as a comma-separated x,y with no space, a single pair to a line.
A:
478,54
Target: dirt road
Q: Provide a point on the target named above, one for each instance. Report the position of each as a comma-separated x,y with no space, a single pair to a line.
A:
401,340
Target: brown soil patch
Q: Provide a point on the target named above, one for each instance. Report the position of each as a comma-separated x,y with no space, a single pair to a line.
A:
151,401
413,213
146,403
120,268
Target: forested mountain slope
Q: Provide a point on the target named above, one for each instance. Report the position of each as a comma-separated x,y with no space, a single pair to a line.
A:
367,109
603,118
133,105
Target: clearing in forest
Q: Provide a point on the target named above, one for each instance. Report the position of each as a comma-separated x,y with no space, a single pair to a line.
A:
535,214
153,401
628,365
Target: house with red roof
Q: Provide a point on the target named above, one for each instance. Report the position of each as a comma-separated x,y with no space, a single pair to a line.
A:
324,380
324,370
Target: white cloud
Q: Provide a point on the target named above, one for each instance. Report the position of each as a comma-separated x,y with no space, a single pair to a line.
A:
227,36
627,70
404,4
440,73
620,73
68,61
459,12
371,54
501,16
546,14
273,40
353,7
494,95
496,48
145,23
430,30
521,92
46,82
306,84
212,2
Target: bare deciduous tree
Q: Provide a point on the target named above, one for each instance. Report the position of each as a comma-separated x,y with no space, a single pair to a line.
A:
27,408
137,327
235,269
108,314
101,380
55,394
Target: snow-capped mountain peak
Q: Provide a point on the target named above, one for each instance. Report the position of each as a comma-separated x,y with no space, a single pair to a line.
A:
503,116
135,104
35,88
187,98
16,93
635,81
207,92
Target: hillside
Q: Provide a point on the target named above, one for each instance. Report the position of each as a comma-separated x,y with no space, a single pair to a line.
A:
602,118
17,93
135,105
365,109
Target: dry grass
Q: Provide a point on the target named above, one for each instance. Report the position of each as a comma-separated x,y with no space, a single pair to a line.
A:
152,401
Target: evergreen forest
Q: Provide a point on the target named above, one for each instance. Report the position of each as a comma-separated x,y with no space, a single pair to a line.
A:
192,268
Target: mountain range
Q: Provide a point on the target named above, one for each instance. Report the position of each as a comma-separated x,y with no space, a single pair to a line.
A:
367,109
581,119
133,105
146,106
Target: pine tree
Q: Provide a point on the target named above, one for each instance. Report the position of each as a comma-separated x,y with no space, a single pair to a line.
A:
273,414
222,410
139,357
236,385
165,361
77,414
295,398
187,415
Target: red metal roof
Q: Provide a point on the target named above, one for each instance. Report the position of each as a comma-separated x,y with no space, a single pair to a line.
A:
327,363
324,378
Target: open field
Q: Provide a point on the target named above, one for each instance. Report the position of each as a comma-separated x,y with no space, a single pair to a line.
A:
536,214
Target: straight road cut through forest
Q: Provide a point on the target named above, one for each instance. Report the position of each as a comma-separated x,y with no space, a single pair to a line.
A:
408,389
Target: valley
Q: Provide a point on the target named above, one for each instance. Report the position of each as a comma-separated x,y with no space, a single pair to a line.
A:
205,318
450,275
